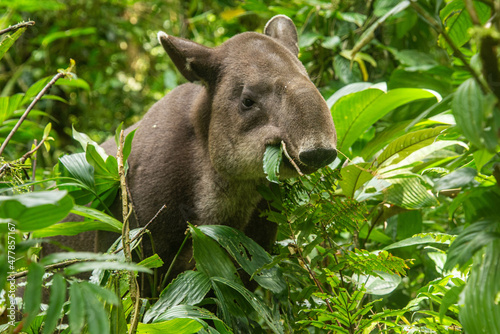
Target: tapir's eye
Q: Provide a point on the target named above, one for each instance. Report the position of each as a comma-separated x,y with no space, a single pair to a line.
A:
247,103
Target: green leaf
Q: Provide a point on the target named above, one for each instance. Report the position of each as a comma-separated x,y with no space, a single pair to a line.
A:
480,312
409,193
384,284
210,258
9,40
95,315
56,302
457,21
256,304
77,315
153,261
33,292
456,179
179,326
272,161
51,37
78,167
481,157
76,83
78,268
189,288
450,298
353,177
248,254
35,89
472,239
101,222
33,211
402,147
469,105
353,114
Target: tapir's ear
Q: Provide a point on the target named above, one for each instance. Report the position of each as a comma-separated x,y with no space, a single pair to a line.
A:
283,29
193,60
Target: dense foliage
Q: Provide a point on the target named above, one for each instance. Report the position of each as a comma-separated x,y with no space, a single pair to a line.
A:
399,235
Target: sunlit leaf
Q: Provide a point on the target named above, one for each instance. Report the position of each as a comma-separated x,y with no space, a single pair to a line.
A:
179,325
353,114
33,211
9,40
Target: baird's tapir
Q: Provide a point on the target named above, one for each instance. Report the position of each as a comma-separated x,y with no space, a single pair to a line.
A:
199,150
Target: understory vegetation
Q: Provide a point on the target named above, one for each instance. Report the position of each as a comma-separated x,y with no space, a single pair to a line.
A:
400,234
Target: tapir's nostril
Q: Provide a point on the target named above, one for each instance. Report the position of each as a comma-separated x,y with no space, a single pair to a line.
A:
319,157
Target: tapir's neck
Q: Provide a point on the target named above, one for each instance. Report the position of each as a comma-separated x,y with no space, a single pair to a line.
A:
222,201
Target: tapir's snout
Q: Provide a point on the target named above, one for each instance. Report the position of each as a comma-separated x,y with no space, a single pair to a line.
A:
318,157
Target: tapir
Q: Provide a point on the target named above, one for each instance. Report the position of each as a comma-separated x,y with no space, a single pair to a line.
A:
199,150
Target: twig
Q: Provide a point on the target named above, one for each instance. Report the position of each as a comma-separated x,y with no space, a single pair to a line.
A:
23,117
144,228
134,291
17,26
49,267
290,159
33,163
437,26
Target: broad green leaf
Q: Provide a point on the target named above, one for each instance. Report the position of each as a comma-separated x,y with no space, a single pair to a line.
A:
33,292
77,83
33,211
409,193
481,157
353,177
77,315
248,254
106,295
194,313
480,312
85,140
349,89
96,316
382,285
272,161
100,222
82,267
78,167
9,40
56,301
35,89
390,168
256,304
153,261
353,114
450,298
469,105
472,239
456,179
32,6
49,38
189,288
409,224
407,144
8,105
178,326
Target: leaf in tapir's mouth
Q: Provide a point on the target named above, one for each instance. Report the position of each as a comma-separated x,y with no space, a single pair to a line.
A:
271,162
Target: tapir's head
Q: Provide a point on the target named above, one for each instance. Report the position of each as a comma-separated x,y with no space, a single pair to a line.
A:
260,94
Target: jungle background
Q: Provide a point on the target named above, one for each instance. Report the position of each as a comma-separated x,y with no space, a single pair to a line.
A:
399,235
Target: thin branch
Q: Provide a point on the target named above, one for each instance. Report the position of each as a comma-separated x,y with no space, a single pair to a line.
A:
17,26
290,159
30,107
49,267
134,291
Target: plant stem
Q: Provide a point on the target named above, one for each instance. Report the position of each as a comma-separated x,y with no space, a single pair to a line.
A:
134,291
17,26
164,281
30,107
